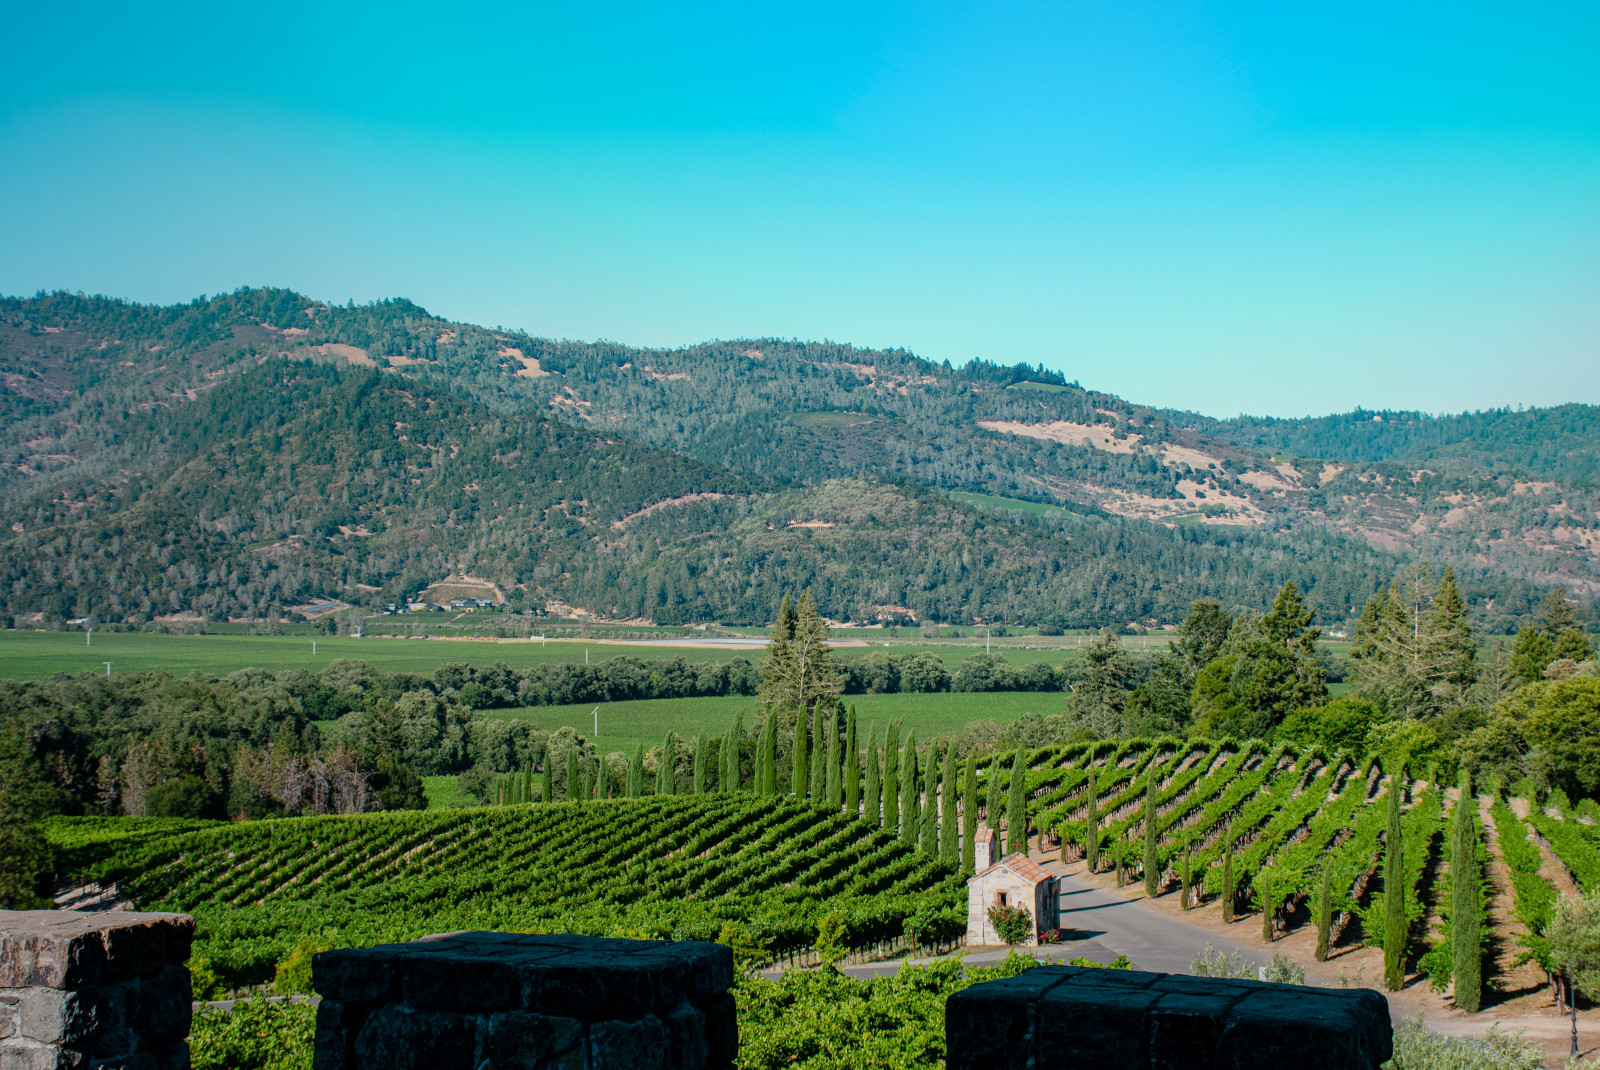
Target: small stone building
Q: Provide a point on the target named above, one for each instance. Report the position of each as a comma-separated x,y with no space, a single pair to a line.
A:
986,850
1014,881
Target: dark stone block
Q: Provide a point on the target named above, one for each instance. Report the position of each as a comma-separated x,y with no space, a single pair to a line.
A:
459,982
165,1006
518,1040
400,1038
68,949
357,975
722,1030
337,1026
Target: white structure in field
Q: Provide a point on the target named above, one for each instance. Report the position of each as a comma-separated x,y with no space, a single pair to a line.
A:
986,849
1014,881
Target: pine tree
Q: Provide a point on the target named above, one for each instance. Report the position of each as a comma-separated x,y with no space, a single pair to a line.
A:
573,794
1152,877
949,839
874,791
1394,902
797,756
891,778
1324,914
700,749
636,773
734,748
665,781
1017,807
833,788
969,815
1227,874
768,784
852,765
1465,905
798,671
928,838
1091,828
1269,906
908,790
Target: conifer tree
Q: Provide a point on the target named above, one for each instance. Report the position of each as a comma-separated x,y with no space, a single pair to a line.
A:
908,790
891,778
1187,877
874,791
733,747
1466,915
1091,828
969,815
991,803
1017,808
852,765
798,671
1324,914
1227,874
1152,878
700,749
664,777
768,757
549,788
833,786
1394,902
797,756
636,773
573,794
818,756
949,830
928,837
1269,906
599,784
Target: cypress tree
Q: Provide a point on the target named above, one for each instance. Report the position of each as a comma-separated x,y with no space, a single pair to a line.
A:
874,792
1466,914
991,802
768,777
1227,874
817,755
548,787
1269,907
852,765
1091,828
573,794
1186,877
929,837
1394,902
969,815
833,788
891,778
735,747
700,749
1324,914
949,837
664,778
1017,808
1152,878
908,790
797,757
636,773
600,778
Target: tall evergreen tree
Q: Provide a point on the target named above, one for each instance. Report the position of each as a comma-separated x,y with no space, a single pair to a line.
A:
874,791
1187,876
797,756
852,765
665,781
1466,915
969,815
818,755
1227,874
734,748
1152,874
1394,902
928,837
1269,906
949,829
636,773
833,787
891,778
798,671
548,786
767,782
1017,807
573,794
600,779
1324,914
991,802
908,790
1091,827
700,750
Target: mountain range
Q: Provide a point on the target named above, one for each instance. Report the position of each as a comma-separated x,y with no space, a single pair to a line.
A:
239,455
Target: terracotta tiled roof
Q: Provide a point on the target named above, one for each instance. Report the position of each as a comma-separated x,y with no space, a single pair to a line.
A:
1021,865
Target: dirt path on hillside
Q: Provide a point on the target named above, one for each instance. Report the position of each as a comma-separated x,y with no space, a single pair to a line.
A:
1515,989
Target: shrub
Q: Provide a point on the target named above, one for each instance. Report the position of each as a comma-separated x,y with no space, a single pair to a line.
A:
259,1034
1417,1049
1011,924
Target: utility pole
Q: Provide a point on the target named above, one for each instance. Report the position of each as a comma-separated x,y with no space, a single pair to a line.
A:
108,668
597,720
313,648
88,637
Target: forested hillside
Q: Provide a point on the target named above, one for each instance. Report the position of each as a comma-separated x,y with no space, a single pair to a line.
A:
241,454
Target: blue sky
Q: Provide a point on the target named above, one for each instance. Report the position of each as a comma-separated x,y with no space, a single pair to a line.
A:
1271,208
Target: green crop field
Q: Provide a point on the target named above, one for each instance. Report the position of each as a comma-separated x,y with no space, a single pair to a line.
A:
625,724
994,501
31,655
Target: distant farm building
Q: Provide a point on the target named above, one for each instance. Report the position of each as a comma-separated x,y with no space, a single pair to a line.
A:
1014,881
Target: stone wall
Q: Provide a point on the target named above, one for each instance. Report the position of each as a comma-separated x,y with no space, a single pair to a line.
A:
94,990
1067,1016
461,1001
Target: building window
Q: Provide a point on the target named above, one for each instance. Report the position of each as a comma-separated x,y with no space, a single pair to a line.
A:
999,899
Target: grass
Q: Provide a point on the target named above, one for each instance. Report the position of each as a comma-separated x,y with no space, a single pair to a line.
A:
1048,388
831,419
442,793
1015,505
623,725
